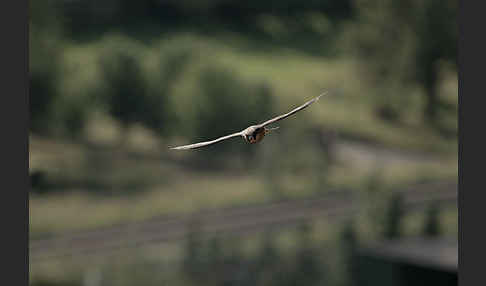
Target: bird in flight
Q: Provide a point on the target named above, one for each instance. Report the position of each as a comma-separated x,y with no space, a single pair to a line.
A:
254,133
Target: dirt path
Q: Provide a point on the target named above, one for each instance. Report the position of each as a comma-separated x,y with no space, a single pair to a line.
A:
369,155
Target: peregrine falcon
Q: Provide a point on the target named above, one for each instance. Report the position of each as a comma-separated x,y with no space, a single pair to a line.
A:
254,133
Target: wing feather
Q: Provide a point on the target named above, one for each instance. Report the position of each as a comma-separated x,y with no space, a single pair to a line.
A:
206,143
283,116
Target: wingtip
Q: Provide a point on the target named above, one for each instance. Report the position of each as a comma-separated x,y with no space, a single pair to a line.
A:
322,94
273,128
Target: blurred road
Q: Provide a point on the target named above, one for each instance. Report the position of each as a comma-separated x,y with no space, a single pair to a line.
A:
370,154
338,205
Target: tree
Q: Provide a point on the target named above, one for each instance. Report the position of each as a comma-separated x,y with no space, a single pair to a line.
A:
126,92
307,269
349,247
432,222
393,217
44,49
193,260
437,39
401,42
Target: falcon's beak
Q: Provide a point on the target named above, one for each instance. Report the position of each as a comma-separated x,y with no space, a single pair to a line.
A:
267,130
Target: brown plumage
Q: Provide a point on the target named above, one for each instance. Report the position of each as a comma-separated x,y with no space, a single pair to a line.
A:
252,134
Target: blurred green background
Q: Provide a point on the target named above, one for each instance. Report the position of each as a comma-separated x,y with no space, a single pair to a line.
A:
114,83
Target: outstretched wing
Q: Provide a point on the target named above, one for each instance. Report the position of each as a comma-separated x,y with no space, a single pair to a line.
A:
202,144
283,116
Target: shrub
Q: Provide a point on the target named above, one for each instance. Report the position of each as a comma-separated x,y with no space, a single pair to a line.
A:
432,222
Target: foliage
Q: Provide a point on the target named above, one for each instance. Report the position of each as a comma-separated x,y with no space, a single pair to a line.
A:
393,217
349,250
128,94
42,92
126,91
432,226
212,262
45,47
308,269
171,66
401,43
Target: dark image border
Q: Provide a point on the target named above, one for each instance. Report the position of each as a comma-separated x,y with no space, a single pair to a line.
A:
471,195
14,156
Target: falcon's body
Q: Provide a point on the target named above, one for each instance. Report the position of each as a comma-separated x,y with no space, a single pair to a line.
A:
254,133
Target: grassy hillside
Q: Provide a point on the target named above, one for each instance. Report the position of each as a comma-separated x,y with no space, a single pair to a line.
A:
161,182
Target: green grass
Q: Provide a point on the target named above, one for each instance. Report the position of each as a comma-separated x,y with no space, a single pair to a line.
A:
144,187
76,210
